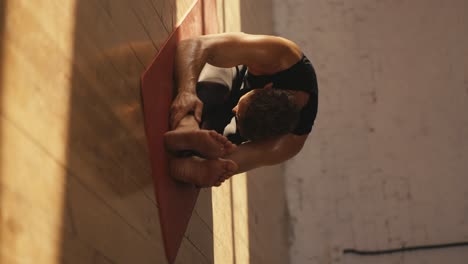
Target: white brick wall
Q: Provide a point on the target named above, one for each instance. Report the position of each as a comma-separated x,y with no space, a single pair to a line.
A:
387,162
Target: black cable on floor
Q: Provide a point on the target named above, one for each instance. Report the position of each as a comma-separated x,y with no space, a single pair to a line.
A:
402,249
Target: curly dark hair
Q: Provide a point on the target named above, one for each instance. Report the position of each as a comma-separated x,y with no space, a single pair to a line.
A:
269,113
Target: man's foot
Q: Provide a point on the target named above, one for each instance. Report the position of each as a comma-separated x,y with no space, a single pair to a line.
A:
208,143
201,172
222,179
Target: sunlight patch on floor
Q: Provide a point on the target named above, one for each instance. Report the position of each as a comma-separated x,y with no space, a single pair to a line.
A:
181,9
232,15
32,179
230,201
240,206
231,222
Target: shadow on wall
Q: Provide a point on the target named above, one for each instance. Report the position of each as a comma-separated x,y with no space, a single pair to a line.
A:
256,17
2,41
110,213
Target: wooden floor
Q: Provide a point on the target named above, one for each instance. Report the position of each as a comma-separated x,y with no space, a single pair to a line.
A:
75,181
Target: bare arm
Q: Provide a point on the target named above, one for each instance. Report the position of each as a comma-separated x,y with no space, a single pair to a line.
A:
262,54
252,155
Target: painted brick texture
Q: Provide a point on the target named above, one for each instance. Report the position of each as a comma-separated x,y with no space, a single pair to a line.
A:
386,165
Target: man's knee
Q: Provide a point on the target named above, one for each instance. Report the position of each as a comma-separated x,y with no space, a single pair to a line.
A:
212,93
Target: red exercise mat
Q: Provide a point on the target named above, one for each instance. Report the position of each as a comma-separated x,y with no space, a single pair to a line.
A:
175,200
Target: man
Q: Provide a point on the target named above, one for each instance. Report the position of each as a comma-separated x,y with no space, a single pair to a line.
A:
273,96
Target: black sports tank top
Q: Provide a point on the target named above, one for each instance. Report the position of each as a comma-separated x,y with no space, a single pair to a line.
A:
299,77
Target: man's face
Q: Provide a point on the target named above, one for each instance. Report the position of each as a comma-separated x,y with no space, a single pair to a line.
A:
244,101
241,107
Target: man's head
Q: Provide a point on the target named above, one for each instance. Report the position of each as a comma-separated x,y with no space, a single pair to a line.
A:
265,113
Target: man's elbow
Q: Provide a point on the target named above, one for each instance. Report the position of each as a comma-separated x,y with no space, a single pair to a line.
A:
284,152
292,151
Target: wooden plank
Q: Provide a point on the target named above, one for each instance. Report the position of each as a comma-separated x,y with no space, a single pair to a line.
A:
165,10
220,12
149,19
221,246
189,254
123,101
241,217
232,16
91,167
95,66
204,207
105,58
32,219
44,117
200,235
221,234
74,251
170,12
29,234
100,227
127,25
94,24
181,8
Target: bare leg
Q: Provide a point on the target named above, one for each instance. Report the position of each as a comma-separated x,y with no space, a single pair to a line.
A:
188,136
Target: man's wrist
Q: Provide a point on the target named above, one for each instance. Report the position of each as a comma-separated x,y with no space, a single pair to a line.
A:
190,88
186,92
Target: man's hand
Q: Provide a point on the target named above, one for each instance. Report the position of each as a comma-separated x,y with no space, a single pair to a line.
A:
184,104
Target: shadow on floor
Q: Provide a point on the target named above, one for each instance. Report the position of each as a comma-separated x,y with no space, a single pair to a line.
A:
110,211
